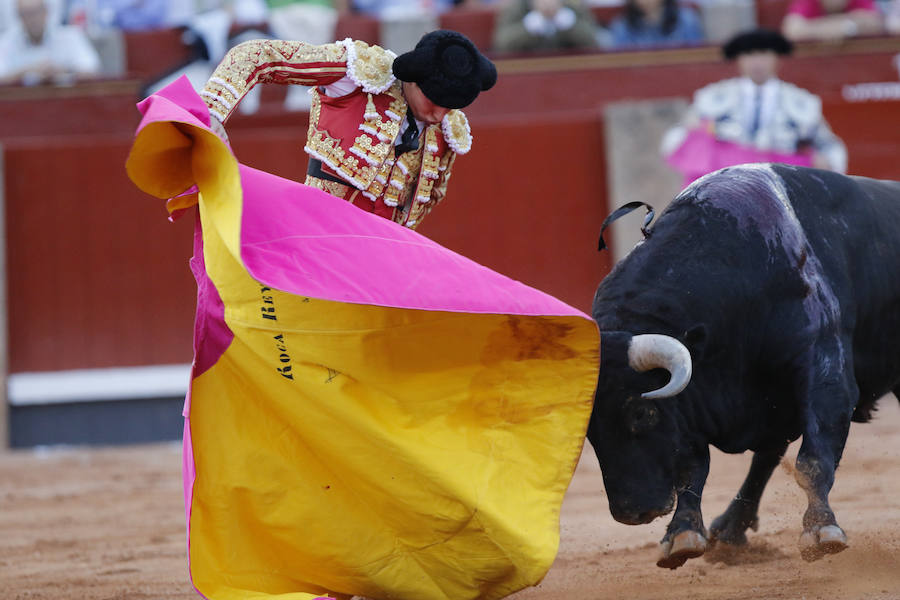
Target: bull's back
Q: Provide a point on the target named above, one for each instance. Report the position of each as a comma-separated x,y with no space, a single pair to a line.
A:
712,248
853,226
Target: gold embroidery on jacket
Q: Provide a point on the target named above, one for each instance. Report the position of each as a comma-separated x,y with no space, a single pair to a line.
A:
385,130
264,61
370,150
376,188
393,190
328,149
396,110
403,178
315,109
440,187
430,166
455,127
428,171
370,68
334,188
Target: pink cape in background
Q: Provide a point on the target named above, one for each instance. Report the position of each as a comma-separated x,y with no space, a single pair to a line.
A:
702,153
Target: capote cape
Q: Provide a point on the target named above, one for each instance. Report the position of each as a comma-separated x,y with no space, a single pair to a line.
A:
400,428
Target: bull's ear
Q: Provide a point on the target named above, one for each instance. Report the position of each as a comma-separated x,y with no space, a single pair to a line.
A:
695,340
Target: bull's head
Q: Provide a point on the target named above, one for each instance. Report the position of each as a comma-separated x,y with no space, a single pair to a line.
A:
635,426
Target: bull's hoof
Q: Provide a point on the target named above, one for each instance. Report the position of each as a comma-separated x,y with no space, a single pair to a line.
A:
685,545
731,532
829,539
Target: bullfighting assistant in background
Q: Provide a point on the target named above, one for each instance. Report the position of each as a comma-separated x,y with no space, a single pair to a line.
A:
369,413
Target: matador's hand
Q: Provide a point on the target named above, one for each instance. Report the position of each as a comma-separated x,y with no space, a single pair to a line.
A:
219,129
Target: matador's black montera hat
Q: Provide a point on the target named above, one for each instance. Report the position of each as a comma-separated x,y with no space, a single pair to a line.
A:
755,40
447,67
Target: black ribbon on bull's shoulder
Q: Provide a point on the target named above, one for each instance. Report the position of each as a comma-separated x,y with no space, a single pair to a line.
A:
621,212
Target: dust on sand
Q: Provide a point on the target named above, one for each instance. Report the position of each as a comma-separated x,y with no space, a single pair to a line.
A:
108,524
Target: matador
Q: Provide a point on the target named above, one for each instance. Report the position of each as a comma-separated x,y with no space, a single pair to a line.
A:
384,130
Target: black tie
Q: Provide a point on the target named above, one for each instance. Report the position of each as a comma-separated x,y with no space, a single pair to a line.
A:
757,109
410,138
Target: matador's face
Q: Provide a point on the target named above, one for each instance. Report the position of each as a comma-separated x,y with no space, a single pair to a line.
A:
422,108
759,65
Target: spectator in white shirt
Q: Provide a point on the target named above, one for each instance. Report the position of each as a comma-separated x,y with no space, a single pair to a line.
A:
37,48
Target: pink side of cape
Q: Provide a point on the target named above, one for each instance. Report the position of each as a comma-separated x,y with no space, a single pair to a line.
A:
306,242
702,153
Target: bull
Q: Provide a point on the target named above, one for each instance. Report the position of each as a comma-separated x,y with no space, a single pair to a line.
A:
762,307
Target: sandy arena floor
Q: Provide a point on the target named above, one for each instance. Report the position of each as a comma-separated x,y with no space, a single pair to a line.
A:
108,524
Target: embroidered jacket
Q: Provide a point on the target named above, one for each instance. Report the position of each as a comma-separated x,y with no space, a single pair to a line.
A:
352,135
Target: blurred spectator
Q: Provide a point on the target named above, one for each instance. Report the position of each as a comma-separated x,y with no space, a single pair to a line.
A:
246,12
891,10
310,21
723,19
402,23
210,32
7,10
755,117
127,15
36,48
392,9
648,23
474,3
831,19
528,25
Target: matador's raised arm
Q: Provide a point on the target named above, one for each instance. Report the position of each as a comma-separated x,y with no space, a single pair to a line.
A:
271,61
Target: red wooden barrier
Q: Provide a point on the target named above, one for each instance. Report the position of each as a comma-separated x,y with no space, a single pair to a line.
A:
96,275
151,53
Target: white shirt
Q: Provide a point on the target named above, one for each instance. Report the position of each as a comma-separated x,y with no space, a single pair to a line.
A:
63,45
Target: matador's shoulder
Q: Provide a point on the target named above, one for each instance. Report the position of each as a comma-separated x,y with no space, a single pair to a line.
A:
718,96
455,127
369,66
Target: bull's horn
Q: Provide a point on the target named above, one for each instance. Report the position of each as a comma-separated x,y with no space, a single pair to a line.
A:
655,351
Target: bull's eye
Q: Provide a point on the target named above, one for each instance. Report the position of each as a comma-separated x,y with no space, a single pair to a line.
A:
641,415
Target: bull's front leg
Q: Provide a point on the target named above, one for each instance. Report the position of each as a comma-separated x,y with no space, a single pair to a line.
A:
686,536
743,512
816,464
832,394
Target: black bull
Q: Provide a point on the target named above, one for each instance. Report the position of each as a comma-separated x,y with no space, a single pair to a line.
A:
776,291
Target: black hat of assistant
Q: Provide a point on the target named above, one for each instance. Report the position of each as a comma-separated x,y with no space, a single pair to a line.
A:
447,67
757,39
